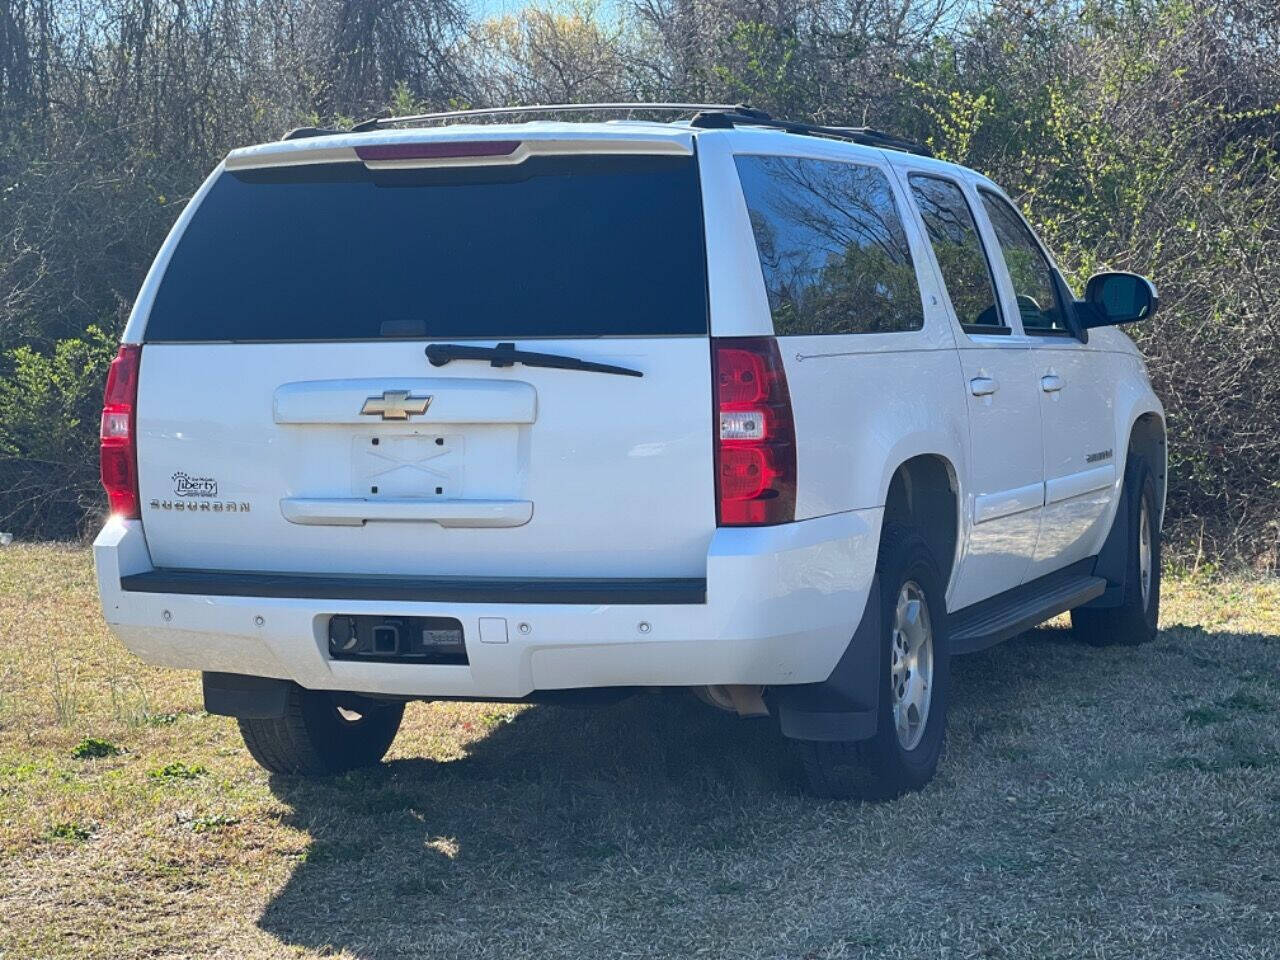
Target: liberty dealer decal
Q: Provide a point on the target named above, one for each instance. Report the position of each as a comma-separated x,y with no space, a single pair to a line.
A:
196,494
188,486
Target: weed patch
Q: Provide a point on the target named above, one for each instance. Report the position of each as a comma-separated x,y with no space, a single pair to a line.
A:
94,748
177,770
1246,702
210,823
69,832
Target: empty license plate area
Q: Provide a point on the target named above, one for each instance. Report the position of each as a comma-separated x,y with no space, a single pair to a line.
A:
408,465
397,639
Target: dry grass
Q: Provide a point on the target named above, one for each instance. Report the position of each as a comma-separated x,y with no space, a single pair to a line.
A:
1117,803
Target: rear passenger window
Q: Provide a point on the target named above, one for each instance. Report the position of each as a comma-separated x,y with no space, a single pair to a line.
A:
832,247
958,248
1028,268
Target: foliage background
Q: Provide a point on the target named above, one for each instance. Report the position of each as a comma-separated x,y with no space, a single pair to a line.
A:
1138,134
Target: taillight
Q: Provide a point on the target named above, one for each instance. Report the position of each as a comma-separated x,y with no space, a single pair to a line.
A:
755,433
119,453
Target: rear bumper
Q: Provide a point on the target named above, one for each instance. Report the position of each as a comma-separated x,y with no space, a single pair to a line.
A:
780,606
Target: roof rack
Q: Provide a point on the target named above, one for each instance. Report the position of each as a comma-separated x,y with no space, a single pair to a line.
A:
373,123
716,118
707,116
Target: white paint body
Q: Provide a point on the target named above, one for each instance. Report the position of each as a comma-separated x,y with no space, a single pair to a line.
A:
552,473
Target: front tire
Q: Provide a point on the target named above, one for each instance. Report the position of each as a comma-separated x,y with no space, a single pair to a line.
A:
1135,620
915,684
323,733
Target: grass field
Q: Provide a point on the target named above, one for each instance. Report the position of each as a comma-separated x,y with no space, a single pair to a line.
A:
1092,803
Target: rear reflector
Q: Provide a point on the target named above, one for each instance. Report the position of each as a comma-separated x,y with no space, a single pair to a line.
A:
437,150
755,434
118,450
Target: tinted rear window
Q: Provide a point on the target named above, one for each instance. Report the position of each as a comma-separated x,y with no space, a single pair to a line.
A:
553,247
833,251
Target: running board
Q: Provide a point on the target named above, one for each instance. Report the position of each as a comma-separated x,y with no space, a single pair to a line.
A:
1009,614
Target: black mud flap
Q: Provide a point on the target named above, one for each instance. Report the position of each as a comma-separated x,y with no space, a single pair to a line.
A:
845,705
1113,559
248,698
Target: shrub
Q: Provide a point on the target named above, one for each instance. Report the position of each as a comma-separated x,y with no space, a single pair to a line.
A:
49,410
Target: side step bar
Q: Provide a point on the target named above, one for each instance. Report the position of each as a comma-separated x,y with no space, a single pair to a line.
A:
992,621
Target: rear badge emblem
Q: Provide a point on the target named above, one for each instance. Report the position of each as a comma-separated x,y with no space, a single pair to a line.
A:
203,506
395,405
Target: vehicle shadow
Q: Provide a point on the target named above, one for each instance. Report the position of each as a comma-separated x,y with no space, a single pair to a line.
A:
548,797
558,816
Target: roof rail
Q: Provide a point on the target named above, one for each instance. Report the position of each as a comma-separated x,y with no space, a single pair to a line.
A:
707,116
867,136
374,123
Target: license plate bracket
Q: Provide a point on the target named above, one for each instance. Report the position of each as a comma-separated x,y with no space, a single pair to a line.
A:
415,464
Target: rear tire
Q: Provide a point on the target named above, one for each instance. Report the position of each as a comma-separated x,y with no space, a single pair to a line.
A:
1135,620
915,684
323,733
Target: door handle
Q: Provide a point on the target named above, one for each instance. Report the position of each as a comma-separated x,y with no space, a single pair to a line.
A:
1051,383
983,386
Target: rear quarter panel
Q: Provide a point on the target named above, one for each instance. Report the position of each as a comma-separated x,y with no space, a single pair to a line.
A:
861,411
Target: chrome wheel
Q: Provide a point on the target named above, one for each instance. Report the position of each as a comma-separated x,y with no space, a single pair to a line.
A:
911,669
1144,552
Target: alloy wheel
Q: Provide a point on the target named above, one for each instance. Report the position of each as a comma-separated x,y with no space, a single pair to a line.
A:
911,667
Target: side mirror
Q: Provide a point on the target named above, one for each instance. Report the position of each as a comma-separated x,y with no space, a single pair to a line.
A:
1119,298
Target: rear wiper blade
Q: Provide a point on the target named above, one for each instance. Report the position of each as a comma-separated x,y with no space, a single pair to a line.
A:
506,355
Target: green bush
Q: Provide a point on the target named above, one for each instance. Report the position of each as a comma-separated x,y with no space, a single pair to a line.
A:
50,403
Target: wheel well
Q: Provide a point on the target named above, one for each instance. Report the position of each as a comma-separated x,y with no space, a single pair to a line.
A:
922,494
1147,440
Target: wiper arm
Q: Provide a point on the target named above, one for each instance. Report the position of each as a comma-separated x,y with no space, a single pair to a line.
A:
506,355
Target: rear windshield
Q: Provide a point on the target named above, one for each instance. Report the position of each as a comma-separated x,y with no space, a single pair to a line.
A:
582,246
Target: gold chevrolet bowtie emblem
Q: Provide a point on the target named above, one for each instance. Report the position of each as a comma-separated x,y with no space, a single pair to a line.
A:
395,405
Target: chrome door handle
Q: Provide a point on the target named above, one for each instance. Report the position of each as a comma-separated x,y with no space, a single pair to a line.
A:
983,386
1051,383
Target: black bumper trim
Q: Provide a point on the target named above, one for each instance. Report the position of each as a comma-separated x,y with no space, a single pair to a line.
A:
305,586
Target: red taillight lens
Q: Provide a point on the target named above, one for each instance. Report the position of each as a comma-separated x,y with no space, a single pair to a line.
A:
741,376
755,434
118,449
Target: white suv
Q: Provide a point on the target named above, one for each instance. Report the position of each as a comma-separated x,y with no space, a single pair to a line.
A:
784,414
